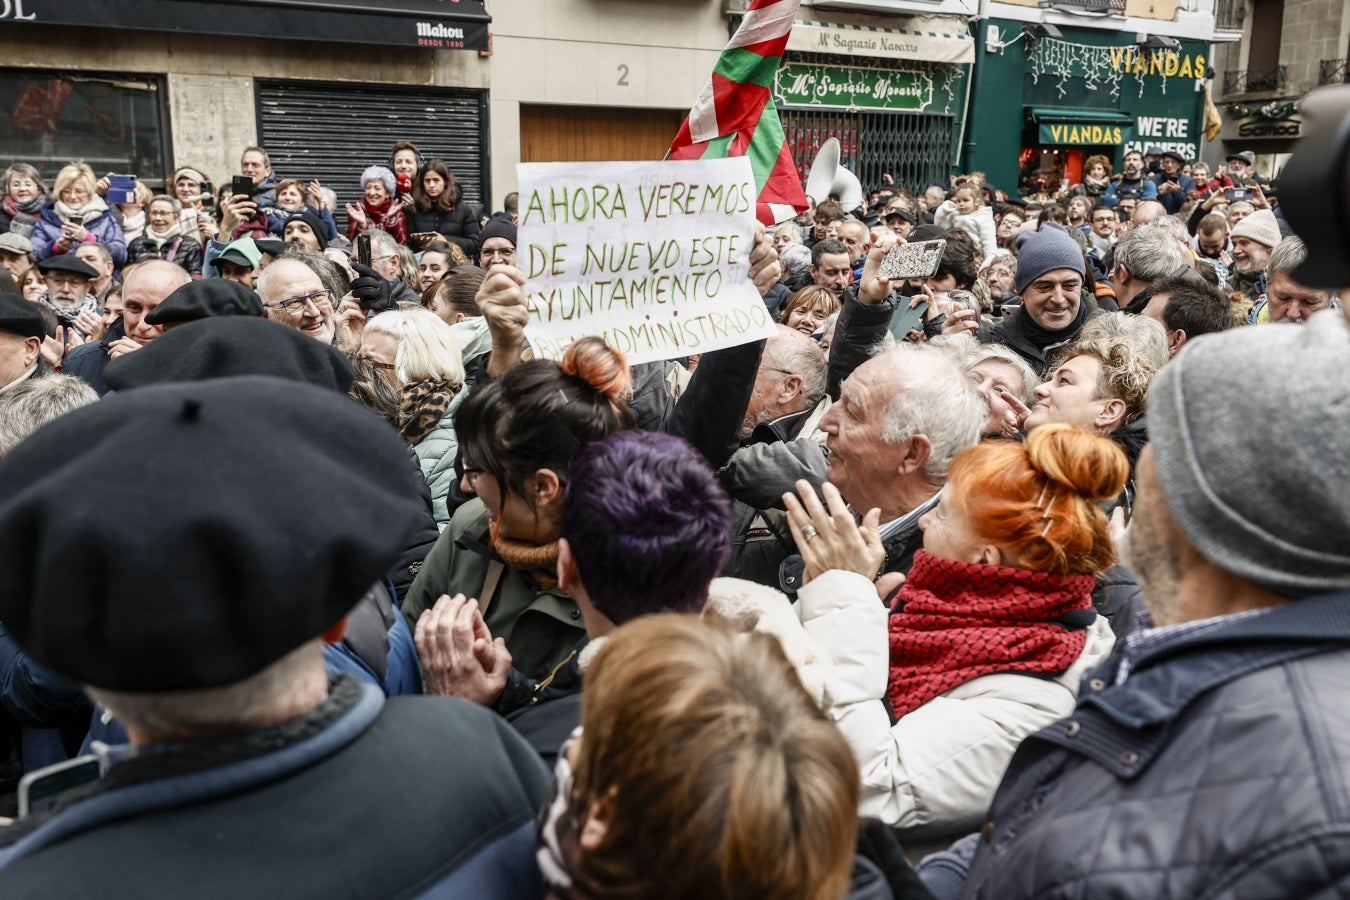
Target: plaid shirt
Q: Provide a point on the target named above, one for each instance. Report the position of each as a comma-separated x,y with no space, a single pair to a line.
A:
1146,638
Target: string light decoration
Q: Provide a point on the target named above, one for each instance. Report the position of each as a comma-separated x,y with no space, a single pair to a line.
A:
1097,66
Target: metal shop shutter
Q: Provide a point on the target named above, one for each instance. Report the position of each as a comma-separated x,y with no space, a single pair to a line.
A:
333,131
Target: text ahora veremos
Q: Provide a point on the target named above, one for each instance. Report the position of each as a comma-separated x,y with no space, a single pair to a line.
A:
607,202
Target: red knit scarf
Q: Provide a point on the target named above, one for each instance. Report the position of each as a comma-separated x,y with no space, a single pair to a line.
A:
963,620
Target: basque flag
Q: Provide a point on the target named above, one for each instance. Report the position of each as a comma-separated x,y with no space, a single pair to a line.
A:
735,115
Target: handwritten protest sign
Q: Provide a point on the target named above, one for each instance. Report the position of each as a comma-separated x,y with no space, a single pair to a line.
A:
654,257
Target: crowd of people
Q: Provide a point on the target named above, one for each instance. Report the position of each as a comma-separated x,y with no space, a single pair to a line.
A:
1027,578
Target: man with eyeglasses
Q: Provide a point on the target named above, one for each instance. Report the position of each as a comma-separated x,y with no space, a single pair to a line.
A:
498,244
1101,238
293,295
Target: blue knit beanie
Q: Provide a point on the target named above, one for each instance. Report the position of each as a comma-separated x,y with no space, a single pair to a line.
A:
1044,251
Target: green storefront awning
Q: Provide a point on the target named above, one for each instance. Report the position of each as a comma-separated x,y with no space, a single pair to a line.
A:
1080,127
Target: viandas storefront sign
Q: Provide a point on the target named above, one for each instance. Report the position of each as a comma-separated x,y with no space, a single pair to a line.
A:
846,87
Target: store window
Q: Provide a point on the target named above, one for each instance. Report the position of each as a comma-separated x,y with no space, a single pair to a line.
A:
114,123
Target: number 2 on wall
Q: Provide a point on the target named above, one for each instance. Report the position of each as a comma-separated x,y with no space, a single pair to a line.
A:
623,75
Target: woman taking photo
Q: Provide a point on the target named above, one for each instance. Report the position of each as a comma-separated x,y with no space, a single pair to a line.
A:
438,208
416,354
77,214
518,437
989,636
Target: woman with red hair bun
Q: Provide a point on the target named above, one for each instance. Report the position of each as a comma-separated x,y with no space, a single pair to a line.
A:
986,641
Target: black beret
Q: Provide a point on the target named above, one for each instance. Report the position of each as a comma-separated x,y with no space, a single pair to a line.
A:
272,247
67,262
18,316
267,510
498,228
204,299
315,225
229,346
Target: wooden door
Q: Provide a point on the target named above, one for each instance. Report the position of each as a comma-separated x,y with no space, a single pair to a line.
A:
595,133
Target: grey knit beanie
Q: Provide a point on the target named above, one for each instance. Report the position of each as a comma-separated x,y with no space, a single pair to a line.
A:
1253,466
1044,251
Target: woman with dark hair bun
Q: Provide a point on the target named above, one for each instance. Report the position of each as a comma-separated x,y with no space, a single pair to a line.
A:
988,638
438,208
519,436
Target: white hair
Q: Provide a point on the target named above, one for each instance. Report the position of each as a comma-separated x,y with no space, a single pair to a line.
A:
794,352
941,404
427,349
1150,252
31,404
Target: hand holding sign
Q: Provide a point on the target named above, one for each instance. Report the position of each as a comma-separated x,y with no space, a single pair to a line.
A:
655,258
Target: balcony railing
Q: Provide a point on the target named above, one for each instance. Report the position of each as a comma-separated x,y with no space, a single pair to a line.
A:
1332,71
1100,7
1252,81
1228,14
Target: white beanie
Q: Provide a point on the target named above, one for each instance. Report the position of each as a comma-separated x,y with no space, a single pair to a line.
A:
1261,227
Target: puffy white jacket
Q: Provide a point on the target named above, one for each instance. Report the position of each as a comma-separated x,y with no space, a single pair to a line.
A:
936,769
979,225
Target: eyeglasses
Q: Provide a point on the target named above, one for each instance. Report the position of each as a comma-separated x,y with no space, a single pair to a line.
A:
379,365
22,183
299,300
494,252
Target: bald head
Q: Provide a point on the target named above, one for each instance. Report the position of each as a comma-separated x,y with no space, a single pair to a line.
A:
1147,212
144,288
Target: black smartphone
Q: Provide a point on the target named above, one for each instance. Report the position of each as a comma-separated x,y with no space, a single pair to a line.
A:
363,248
242,184
1237,194
40,791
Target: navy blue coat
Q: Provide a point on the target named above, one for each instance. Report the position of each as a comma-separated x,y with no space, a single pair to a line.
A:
1220,768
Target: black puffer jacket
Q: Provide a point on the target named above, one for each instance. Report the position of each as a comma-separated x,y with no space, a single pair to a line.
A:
458,226
183,250
1220,768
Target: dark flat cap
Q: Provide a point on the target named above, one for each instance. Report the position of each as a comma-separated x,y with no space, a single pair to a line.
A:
18,316
927,233
1173,154
314,223
231,346
271,508
206,299
498,228
272,247
1153,150
67,262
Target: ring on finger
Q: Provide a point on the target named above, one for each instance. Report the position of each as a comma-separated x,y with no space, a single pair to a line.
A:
809,532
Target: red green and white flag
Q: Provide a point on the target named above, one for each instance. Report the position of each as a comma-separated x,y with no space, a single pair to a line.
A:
735,115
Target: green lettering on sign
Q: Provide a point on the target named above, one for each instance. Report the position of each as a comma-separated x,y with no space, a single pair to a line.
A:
844,87
1079,134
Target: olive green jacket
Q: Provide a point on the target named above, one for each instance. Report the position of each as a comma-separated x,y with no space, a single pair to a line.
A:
540,626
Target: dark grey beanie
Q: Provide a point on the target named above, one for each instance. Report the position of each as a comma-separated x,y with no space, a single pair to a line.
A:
1250,430
1044,251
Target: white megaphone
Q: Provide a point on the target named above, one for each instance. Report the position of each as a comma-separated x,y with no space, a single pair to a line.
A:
829,179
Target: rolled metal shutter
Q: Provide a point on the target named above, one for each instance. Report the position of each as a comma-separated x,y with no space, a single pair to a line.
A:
333,131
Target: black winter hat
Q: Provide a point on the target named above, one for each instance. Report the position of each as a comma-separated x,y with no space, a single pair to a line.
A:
498,228
18,316
231,346
205,299
315,225
272,509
